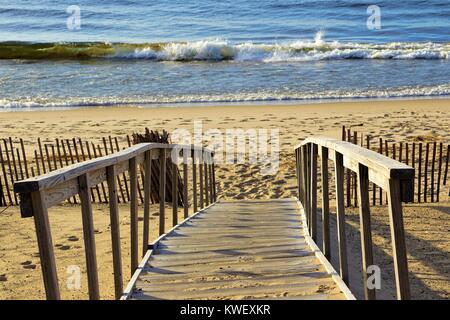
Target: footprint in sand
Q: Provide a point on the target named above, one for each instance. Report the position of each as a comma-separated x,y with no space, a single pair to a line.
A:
28,265
63,247
73,238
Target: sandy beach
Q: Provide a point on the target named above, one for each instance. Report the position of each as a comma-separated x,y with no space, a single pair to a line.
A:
427,226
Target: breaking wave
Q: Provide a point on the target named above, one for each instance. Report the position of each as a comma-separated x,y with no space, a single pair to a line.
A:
223,50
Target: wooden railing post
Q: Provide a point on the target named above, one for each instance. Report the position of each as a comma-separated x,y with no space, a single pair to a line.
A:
308,184
134,243
147,193
365,227
340,213
214,179
162,190
211,181
205,168
325,204
313,173
185,184
89,237
115,230
174,194
301,175
297,172
194,180
45,244
305,181
200,176
398,240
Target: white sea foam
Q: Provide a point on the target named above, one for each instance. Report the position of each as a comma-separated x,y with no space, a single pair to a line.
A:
319,49
262,96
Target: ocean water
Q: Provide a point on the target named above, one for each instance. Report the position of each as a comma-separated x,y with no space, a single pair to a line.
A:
153,53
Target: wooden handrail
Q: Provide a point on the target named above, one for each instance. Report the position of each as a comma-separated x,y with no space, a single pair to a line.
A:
40,193
390,175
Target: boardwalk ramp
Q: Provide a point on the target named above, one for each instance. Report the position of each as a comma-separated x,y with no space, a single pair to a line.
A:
247,249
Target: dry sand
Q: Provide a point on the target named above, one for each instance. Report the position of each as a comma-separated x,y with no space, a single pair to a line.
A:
427,226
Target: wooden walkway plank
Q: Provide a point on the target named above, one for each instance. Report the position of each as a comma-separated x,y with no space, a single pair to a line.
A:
247,249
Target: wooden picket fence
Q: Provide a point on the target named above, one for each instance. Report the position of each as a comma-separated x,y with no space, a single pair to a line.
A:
429,159
18,163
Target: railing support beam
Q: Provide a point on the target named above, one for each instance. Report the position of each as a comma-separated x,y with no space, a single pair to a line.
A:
313,191
340,213
89,237
325,204
398,240
134,242
45,244
365,228
162,190
115,230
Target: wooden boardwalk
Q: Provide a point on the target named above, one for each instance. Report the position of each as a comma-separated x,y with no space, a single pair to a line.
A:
230,249
251,249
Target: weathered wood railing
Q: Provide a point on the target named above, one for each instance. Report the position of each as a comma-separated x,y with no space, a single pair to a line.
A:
392,176
40,193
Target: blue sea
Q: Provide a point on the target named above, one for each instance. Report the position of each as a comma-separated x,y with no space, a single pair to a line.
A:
63,54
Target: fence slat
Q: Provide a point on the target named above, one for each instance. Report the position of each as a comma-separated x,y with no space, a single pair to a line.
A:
446,164
41,154
19,162
97,189
2,195
433,162
89,237
36,158
439,172
102,184
11,171
24,157
119,183
124,176
72,160
5,176
47,154
83,156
